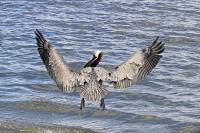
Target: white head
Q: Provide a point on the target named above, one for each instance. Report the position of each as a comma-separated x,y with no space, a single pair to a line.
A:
97,53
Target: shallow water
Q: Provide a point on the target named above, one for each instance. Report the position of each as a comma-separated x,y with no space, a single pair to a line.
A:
168,100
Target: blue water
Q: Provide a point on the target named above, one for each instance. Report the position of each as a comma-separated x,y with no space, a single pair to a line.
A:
167,101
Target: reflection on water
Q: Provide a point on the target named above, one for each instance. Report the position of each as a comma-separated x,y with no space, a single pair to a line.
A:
167,100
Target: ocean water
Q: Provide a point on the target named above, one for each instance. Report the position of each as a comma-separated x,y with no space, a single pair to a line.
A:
167,101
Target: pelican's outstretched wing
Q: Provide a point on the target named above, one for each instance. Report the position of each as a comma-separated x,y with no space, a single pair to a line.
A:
137,66
64,77
88,79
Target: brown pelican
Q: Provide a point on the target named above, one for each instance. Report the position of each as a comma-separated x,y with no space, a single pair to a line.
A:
89,80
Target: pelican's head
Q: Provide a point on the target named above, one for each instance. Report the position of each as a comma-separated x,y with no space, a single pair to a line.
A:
95,60
97,54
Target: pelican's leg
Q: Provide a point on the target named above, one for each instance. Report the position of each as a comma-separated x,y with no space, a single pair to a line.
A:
82,104
102,105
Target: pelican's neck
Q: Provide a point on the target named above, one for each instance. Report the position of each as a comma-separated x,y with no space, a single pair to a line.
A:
93,62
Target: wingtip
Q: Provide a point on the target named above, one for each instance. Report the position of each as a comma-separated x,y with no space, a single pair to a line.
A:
157,46
156,39
37,32
39,38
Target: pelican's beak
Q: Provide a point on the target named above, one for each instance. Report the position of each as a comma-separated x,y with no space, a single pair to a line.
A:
101,54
